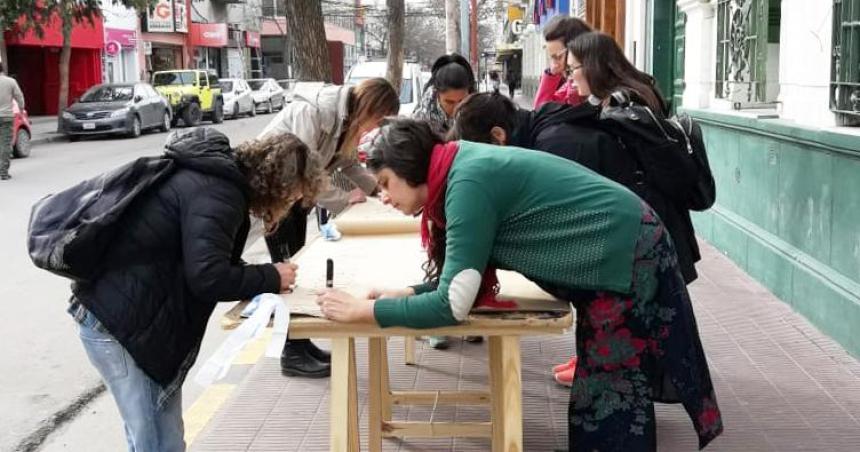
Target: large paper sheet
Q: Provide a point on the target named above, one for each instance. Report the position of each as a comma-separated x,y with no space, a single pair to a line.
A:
374,218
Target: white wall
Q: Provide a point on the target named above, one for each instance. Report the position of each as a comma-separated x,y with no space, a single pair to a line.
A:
637,34
118,16
806,46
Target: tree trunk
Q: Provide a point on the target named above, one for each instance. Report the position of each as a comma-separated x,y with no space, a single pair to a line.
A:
396,26
307,38
65,56
4,58
473,36
452,26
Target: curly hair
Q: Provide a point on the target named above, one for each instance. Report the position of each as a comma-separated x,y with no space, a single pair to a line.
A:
279,171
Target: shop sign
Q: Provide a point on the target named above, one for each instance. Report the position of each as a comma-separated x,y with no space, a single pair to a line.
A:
112,48
125,38
160,17
180,16
208,35
252,39
517,27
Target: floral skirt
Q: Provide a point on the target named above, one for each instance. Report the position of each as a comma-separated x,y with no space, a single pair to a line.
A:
635,350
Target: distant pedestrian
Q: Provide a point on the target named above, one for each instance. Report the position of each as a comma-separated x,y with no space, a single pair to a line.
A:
9,91
142,319
495,81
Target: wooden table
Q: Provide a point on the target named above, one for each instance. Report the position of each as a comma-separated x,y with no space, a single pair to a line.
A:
504,397
394,261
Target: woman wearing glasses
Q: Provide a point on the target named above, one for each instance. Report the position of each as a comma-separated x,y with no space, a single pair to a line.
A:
554,86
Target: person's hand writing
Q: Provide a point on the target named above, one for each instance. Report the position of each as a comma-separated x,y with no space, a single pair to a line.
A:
340,306
287,272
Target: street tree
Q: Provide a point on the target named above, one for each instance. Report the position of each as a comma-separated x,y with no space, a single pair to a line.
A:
396,25
307,38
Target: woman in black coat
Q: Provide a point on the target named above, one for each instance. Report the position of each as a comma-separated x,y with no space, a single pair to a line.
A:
143,318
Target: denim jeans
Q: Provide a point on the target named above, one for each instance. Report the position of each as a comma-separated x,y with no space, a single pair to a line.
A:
147,428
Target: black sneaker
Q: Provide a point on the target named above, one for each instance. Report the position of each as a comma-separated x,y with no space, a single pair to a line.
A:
5,177
296,361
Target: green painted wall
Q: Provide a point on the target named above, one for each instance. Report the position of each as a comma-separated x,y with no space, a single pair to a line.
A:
788,213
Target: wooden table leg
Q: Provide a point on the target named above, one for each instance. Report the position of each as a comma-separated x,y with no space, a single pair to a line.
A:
496,413
339,409
354,434
409,350
386,387
506,393
374,407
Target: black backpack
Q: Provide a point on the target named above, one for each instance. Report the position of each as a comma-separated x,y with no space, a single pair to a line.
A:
69,231
671,152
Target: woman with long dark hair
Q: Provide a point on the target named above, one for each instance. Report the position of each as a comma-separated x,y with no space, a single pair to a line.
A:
579,236
598,67
450,82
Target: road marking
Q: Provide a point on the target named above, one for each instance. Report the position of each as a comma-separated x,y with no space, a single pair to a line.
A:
201,411
254,350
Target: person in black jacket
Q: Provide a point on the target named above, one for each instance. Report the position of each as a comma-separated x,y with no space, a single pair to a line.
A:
142,320
573,132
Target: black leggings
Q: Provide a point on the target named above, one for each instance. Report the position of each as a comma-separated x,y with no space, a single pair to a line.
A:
290,237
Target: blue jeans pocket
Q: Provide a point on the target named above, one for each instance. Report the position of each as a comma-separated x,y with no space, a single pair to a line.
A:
105,353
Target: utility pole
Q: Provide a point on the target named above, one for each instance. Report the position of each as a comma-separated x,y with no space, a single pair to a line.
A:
452,30
464,28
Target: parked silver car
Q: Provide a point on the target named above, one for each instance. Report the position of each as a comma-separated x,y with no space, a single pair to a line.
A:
124,108
237,98
267,94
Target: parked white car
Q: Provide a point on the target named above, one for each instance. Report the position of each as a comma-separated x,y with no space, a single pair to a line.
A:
267,94
411,88
288,85
237,98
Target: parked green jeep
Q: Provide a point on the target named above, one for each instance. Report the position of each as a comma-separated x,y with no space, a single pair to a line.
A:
192,94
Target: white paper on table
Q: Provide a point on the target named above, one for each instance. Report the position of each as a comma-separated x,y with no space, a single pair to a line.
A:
216,367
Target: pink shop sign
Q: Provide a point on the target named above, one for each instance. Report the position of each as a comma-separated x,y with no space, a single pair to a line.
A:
126,38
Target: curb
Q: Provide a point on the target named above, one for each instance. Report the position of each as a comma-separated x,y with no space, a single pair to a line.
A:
48,138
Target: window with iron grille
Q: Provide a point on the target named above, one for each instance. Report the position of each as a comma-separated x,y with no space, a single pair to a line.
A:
845,66
747,51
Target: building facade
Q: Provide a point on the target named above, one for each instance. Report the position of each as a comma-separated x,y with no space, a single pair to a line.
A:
776,87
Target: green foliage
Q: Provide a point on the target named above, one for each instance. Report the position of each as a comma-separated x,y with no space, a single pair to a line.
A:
33,15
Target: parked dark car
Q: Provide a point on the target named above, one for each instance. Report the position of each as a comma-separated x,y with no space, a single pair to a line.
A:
117,108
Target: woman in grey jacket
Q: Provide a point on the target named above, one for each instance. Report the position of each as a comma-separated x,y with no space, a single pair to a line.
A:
330,122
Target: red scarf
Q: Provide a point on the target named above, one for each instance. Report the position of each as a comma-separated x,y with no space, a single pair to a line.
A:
434,211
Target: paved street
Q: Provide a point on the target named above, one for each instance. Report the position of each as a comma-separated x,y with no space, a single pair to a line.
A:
43,368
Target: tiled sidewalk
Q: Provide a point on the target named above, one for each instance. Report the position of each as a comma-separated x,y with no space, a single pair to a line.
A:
781,384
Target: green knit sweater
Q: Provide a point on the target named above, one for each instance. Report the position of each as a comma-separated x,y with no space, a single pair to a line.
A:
545,217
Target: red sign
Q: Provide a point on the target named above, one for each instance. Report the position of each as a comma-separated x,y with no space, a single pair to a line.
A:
125,38
208,35
112,48
252,39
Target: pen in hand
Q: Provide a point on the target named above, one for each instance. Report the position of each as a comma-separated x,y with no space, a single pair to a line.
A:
329,273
